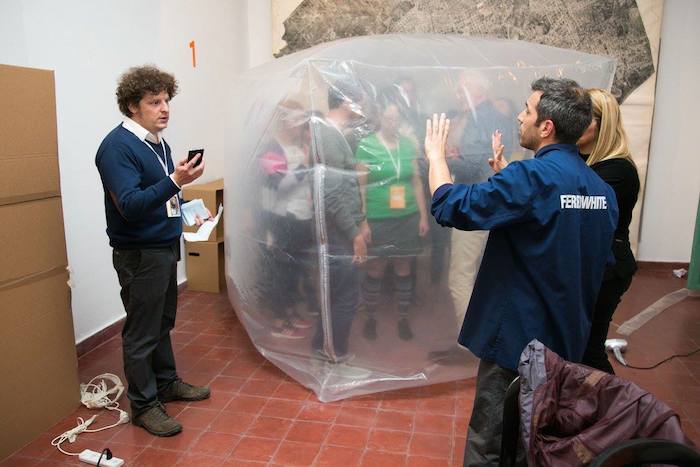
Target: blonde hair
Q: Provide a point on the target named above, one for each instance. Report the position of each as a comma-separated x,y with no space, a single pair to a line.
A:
611,141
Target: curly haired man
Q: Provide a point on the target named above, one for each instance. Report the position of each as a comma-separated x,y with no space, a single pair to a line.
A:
141,195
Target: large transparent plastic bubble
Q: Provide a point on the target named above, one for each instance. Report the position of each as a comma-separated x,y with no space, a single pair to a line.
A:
327,157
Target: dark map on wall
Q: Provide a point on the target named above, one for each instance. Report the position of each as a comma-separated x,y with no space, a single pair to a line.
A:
604,27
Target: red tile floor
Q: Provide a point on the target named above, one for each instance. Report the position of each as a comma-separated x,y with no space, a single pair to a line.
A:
259,416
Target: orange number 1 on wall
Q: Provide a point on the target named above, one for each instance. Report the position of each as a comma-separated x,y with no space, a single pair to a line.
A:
194,59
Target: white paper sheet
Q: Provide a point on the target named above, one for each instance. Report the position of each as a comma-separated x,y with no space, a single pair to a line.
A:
191,209
202,234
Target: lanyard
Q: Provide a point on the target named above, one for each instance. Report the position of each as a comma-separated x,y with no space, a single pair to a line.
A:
163,162
395,162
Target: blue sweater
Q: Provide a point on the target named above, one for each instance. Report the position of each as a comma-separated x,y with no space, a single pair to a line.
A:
552,221
135,192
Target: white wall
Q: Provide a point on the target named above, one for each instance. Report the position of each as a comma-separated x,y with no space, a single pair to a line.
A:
259,32
89,44
673,180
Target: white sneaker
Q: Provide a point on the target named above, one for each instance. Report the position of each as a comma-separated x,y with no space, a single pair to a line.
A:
346,371
288,333
300,323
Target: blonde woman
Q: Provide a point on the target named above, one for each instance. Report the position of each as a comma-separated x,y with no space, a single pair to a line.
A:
604,146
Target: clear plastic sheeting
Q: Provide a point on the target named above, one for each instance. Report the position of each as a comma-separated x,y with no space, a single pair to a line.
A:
326,157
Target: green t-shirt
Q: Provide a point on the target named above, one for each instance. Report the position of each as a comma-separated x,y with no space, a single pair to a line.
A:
387,169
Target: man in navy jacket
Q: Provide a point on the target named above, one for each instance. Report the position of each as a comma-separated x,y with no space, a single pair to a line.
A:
142,205
552,221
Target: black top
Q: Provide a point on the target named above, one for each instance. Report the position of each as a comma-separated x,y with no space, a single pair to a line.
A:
621,175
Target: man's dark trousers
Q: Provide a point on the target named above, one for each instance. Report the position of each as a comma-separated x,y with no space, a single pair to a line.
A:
148,278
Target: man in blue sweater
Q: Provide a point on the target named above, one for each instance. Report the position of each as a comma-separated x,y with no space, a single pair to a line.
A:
141,195
552,221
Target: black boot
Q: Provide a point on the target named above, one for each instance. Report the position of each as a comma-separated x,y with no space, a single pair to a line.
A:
405,332
370,329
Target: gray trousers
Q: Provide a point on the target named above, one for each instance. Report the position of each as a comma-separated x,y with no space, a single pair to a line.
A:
486,424
148,279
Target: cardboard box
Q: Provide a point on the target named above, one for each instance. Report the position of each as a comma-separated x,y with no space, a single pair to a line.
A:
29,149
212,194
39,365
205,266
32,238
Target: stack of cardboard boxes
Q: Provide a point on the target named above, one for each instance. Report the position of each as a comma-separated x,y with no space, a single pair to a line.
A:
38,363
205,260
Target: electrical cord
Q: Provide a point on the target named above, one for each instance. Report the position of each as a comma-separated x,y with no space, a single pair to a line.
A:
106,453
94,396
663,361
72,434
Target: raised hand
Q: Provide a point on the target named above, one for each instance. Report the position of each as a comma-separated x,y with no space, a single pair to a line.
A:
436,132
497,162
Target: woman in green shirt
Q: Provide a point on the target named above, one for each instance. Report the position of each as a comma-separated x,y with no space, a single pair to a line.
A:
394,204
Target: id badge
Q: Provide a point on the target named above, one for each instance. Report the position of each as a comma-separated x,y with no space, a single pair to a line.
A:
173,207
397,197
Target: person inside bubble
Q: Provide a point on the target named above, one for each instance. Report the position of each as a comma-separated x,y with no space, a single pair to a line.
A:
412,117
394,204
469,148
344,222
287,215
412,127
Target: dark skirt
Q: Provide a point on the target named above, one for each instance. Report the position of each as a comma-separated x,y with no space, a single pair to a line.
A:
395,236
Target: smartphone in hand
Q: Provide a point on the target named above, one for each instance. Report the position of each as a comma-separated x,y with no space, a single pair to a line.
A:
193,152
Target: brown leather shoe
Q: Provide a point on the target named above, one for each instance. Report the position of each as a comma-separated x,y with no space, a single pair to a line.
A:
178,390
157,422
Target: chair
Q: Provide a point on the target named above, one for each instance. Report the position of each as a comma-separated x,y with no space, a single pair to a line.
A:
640,451
510,434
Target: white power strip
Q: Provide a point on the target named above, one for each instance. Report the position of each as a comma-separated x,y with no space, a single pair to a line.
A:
91,457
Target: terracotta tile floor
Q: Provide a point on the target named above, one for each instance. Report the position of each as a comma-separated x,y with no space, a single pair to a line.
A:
259,416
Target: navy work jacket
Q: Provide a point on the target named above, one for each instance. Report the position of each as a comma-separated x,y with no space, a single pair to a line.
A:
552,221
